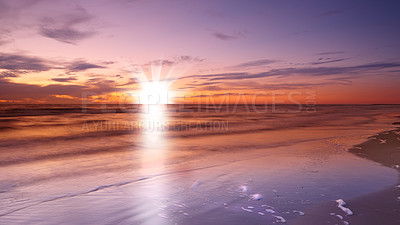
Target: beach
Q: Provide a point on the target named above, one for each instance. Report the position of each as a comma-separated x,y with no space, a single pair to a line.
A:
198,164
381,207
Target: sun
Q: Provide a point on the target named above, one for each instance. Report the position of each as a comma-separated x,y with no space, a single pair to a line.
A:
154,92
155,86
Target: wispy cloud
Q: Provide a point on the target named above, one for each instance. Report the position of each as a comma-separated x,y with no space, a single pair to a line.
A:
20,62
16,64
255,63
188,58
64,79
5,36
82,65
292,86
330,53
215,75
65,28
204,84
223,37
9,74
358,70
211,88
65,34
328,60
175,60
65,21
226,37
100,85
278,85
19,91
130,82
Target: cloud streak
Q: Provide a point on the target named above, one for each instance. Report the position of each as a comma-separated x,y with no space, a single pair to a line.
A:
308,71
20,91
81,65
16,64
226,37
330,53
175,60
22,62
329,61
255,63
64,79
64,28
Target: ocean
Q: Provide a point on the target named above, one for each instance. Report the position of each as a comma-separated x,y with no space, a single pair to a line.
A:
184,164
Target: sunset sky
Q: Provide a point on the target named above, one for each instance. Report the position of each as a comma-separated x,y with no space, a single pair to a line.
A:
53,51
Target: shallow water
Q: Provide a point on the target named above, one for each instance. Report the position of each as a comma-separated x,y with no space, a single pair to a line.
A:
182,165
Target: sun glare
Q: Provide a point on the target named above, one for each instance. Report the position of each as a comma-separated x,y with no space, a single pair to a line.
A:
154,92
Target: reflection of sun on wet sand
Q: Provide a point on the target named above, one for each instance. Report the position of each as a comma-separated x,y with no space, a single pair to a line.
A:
382,207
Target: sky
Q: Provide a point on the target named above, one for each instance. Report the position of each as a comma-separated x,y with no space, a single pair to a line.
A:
225,51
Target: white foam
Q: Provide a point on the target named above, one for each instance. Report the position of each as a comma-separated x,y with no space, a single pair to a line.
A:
382,141
256,197
250,207
270,211
163,215
178,205
346,210
271,206
243,188
396,166
398,186
341,205
247,210
341,202
261,213
280,219
340,217
299,212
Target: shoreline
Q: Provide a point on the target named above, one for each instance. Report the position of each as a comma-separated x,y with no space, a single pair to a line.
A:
382,207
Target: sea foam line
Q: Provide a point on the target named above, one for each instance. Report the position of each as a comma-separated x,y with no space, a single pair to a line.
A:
341,205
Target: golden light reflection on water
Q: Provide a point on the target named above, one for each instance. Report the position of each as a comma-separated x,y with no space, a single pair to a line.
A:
153,156
153,143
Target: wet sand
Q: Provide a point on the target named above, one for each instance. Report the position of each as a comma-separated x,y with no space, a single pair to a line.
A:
382,207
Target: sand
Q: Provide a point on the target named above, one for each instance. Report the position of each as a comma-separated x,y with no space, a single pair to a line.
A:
382,207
